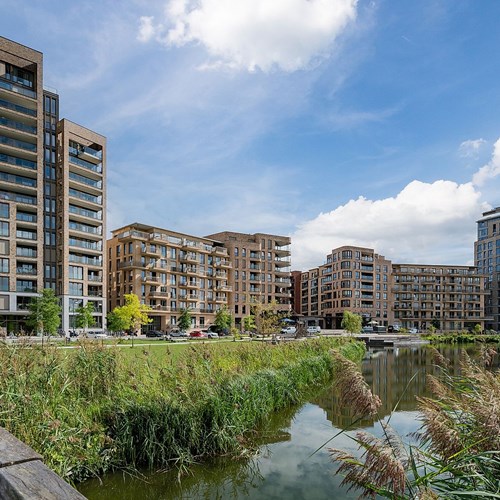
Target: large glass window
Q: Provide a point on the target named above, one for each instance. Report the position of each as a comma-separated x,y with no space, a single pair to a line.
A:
4,210
4,265
4,228
4,283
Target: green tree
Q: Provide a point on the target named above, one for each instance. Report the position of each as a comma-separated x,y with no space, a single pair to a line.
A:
116,322
249,323
351,322
223,319
84,316
132,315
268,318
184,320
44,312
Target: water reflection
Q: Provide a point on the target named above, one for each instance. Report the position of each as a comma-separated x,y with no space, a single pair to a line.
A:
284,467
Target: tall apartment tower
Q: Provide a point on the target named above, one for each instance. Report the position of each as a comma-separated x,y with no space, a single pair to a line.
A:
80,221
260,272
487,260
35,195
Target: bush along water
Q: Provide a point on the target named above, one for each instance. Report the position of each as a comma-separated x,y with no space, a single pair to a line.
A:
92,410
458,450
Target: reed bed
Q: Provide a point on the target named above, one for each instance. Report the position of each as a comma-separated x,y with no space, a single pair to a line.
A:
95,410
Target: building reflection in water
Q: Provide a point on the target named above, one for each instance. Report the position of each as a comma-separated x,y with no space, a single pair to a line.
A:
397,376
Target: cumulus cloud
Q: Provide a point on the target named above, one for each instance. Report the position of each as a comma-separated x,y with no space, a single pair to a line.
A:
251,34
424,223
491,169
470,148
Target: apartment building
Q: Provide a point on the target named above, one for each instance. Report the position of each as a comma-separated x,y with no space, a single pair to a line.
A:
446,297
354,279
361,281
260,271
34,192
168,271
487,260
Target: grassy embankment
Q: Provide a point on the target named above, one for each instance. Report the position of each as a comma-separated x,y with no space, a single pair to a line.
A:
462,338
96,408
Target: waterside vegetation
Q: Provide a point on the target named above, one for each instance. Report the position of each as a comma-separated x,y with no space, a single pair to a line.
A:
457,450
92,409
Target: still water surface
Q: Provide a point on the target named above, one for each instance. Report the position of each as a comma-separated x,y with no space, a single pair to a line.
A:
284,467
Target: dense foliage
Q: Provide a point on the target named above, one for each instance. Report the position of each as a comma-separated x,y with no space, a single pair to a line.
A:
93,409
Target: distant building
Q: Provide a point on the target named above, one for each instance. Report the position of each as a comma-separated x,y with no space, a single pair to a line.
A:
52,196
361,281
487,260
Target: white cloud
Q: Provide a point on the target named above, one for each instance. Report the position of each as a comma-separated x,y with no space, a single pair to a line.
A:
251,34
424,223
146,29
491,169
470,148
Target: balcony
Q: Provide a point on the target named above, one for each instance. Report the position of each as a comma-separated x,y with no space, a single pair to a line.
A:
84,259
18,198
86,153
83,228
17,126
85,196
17,89
15,143
282,261
131,264
85,164
17,162
164,295
91,214
85,180
30,270
25,217
18,180
17,108
94,278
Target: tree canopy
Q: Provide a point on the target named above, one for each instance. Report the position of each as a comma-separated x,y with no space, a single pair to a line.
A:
184,320
268,318
223,319
351,322
132,315
44,312
84,316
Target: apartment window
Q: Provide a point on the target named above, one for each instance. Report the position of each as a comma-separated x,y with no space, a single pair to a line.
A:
75,288
4,283
4,210
4,228
236,251
75,272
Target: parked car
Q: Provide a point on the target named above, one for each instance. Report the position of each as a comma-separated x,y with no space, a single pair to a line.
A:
289,330
197,334
212,335
367,329
178,334
413,331
154,334
312,329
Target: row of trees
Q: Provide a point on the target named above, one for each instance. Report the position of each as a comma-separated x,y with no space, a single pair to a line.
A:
45,316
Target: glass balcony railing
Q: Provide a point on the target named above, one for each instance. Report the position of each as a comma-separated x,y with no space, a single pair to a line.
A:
18,162
17,179
17,89
17,107
26,252
26,235
85,196
26,270
18,198
18,144
84,228
85,164
86,213
21,216
83,259
17,125
89,245
85,180
85,150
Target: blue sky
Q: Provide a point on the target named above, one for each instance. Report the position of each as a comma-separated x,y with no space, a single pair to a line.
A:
333,121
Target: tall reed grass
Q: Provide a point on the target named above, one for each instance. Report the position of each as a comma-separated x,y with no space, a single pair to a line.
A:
458,450
94,410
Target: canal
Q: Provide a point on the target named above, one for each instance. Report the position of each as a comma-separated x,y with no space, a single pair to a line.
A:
292,459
